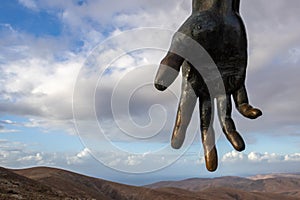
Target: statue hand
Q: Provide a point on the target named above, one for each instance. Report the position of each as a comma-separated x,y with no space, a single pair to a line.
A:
229,52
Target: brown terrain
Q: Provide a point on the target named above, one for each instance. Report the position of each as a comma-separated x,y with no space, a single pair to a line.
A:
49,183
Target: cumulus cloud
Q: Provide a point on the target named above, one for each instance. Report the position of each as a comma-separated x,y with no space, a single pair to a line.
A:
76,13
256,157
266,157
254,163
38,74
16,154
80,157
292,157
29,4
233,157
43,87
35,158
19,155
5,129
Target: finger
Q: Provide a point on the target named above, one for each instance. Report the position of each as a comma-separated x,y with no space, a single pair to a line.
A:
207,134
168,71
224,113
170,65
185,110
242,104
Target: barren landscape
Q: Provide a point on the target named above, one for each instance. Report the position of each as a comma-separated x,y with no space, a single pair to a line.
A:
51,183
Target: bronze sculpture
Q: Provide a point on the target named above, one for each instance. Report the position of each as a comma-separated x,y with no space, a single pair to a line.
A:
218,27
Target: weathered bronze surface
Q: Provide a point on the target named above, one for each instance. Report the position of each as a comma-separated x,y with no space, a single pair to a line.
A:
218,27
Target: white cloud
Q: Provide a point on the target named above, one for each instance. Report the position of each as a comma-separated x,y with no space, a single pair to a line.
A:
16,154
7,121
292,157
254,163
35,158
38,84
20,155
3,130
80,157
115,162
29,4
256,157
40,88
38,74
233,156
266,157
133,160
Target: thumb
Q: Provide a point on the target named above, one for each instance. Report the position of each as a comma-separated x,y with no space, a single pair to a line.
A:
168,71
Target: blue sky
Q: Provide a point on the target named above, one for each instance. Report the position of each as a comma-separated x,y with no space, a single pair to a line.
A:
45,45
37,23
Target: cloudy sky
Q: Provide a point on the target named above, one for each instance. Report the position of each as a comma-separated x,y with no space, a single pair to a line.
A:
76,90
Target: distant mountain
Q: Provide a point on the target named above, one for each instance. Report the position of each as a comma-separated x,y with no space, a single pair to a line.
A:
49,183
268,176
281,184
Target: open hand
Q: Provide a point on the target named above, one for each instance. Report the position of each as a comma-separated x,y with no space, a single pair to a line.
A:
217,26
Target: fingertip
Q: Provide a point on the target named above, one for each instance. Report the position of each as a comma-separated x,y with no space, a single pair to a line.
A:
160,87
249,112
236,140
175,146
259,113
165,77
211,168
240,148
211,159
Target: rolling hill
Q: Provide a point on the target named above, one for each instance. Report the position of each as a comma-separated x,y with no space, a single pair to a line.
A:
51,183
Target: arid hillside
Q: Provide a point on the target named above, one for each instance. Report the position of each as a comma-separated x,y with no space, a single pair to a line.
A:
50,183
